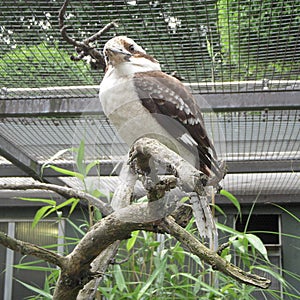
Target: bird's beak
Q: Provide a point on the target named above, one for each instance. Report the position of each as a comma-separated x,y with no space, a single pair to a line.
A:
117,55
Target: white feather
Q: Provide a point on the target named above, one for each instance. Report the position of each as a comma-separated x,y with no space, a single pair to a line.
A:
187,139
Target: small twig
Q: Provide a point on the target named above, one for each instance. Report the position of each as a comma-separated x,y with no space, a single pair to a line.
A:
120,262
101,32
61,13
223,247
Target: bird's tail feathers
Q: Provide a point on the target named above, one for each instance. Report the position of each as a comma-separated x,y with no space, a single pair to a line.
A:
203,216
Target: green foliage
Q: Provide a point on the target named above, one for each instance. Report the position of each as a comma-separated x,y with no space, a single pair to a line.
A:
52,207
259,38
51,66
233,200
50,279
154,266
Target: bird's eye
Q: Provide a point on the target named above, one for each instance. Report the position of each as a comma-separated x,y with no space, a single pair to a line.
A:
131,48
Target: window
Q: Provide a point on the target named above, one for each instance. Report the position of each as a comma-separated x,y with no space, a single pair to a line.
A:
45,233
264,226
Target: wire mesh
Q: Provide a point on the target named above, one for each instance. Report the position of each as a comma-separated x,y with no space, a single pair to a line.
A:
41,138
266,136
221,46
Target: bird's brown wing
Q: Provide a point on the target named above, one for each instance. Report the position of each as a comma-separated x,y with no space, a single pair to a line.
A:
164,95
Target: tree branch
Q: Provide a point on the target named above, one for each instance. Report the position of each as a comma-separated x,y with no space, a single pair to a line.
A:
118,225
30,249
121,198
211,257
83,48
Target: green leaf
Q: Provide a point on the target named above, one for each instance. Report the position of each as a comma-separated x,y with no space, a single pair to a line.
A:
209,48
238,244
52,158
74,204
80,159
130,242
120,281
267,269
77,228
50,211
229,230
91,165
33,268
150,280
47,286
96,193
36,290
219,209
41,213
47,201
184,199
288,212
233,199
257,243
68,172
66,203
97,214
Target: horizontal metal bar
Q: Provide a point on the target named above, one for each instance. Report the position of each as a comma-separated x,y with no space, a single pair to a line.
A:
91,105
109,168
263,199
51,106
263,166
249,101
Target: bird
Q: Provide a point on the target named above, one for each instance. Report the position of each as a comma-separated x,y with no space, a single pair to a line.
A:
141,100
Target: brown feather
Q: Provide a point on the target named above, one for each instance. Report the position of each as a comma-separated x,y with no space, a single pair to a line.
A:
164,94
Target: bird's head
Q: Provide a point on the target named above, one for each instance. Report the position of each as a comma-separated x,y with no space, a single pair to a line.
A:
121,49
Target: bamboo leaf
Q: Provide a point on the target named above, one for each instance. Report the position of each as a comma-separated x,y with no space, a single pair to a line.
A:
66,203
50,211
288,212
67,172
74,204
150,280
229,230
130,243
33,268
257,243
36,290
77,228
91,165
47,201
52,158
233,199
268,270
219,209
80,159
97,214
120,281
41,213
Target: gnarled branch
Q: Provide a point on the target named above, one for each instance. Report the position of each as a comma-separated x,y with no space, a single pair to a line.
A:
217,262
83,48
31,249
151,216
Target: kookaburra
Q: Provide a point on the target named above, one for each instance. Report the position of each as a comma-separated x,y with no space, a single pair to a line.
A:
142,101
